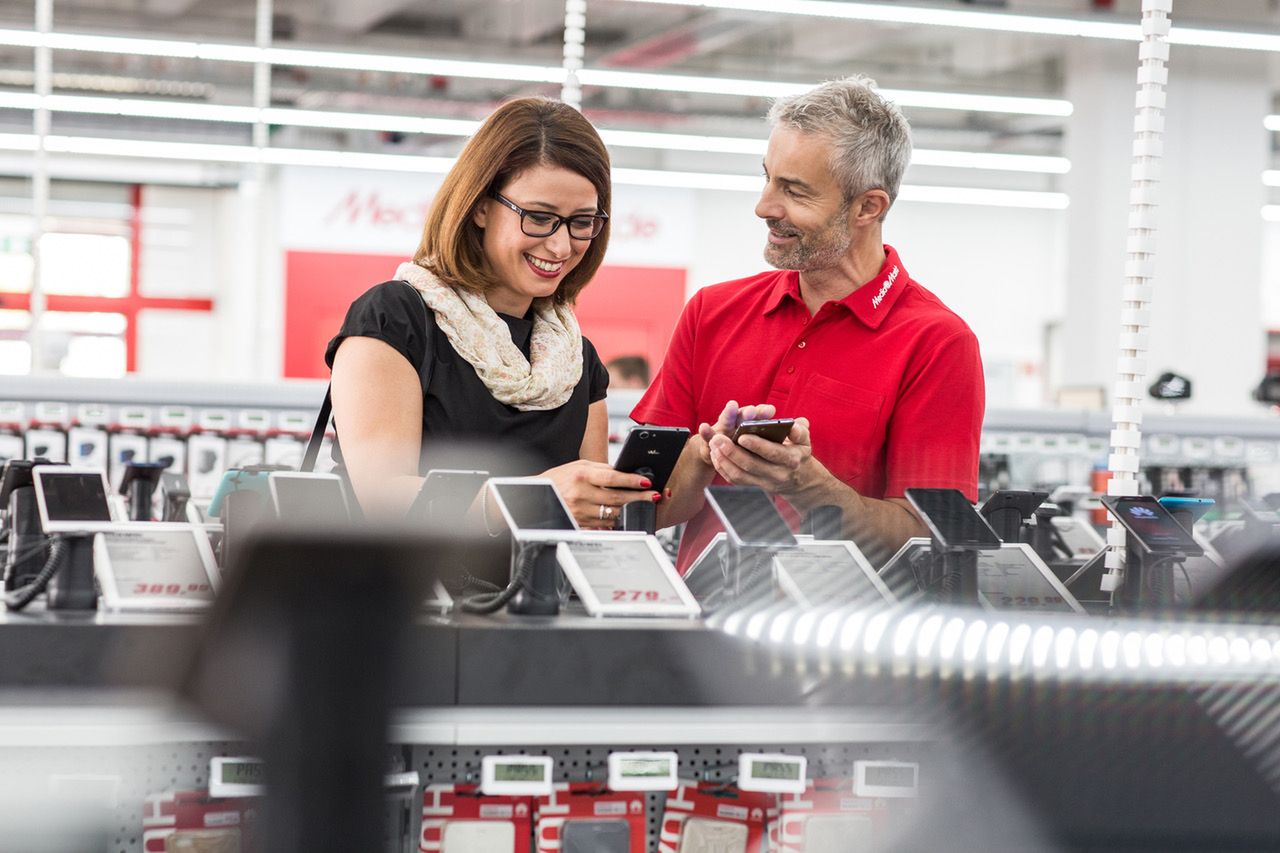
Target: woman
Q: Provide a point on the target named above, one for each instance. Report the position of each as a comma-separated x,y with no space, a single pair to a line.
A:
517,229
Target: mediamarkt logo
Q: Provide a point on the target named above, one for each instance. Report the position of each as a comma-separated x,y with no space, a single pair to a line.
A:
888,283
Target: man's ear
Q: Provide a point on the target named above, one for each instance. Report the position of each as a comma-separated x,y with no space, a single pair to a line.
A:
870,207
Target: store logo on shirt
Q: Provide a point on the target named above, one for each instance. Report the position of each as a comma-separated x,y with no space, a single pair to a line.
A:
888,283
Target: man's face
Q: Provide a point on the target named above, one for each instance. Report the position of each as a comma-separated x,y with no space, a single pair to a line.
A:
802,203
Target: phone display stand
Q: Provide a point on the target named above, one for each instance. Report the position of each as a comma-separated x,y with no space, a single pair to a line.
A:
71,588
641,516
1148,583
139,485
24,558
539,595
823,522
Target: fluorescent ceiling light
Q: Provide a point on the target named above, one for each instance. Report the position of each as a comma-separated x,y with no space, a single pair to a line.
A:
1271,178
603,77
144,108
974,19
1271,212
1271,122
149,149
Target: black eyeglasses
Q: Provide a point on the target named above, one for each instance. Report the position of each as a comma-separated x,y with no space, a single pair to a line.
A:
540,223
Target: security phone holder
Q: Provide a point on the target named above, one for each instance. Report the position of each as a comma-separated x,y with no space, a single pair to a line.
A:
1156,542
176,494
71,518
539,594
27,545
1008,511
755,531
138,484
957,533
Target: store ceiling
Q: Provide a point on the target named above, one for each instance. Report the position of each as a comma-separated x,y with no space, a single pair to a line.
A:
620,34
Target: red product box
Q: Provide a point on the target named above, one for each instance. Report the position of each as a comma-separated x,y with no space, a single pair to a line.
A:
828,816
194,822
462,818
590,802
727,817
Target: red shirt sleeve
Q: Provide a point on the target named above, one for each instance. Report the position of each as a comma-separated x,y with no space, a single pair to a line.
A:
670,399
937,422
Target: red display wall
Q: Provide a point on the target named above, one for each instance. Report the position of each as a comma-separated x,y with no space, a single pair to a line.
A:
624,311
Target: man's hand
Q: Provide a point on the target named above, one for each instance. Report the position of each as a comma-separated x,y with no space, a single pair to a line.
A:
786,469
727,423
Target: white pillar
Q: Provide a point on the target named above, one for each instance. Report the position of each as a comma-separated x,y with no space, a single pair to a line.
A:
1207,309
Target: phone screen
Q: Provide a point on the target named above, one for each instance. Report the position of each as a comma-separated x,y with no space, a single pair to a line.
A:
75,496
446,495
952,519
1152,525
533,506
313,500
750,516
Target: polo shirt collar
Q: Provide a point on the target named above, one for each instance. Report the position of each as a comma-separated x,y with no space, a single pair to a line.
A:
870,303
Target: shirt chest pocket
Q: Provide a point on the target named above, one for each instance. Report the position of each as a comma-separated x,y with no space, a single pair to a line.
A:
846,424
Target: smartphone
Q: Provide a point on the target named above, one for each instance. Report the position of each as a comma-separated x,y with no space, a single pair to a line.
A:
952,519
72,500
750,517
1194,507
308,498
1151,525
531,505
446,495
1025,503
775,430
652,452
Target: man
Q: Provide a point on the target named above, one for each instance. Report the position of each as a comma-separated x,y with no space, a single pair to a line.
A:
628,371
885,382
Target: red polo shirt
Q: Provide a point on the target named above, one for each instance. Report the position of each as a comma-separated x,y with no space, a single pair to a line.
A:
889,378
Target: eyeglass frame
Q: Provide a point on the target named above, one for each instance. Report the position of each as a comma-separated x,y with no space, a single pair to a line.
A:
560,220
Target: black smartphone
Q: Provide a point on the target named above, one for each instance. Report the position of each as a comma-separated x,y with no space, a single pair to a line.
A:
446,495
1024,502
750,517
652,452
1151,525
952,520
775,430
1194,508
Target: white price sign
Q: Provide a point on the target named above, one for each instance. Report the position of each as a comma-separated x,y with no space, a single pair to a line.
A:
1015,578
620,574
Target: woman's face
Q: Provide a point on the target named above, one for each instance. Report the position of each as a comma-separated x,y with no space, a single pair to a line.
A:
528,267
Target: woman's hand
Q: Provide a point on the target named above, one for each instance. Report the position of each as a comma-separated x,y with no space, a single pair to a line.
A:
595,493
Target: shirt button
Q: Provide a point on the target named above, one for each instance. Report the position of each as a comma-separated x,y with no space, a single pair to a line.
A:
791,369
800,345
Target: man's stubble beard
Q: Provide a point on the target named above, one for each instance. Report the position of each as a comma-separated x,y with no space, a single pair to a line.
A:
812,251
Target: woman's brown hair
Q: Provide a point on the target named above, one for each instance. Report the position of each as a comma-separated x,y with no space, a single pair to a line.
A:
518,135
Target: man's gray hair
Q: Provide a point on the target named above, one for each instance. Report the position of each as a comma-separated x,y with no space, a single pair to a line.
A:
871,137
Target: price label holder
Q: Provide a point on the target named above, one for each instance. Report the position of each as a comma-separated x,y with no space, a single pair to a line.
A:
155,565
516,775
624,574
238,776
885,778
1015,578
643,771
900,574
828,571
176,418
772,773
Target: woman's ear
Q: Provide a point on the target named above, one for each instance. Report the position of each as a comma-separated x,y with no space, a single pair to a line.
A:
481,214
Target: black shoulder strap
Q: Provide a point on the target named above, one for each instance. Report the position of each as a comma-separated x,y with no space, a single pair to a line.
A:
326,408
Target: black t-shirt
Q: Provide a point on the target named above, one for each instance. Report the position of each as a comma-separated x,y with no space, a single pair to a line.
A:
457,406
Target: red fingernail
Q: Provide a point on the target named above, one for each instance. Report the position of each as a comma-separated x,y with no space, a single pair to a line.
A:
657,499
644,484
668,493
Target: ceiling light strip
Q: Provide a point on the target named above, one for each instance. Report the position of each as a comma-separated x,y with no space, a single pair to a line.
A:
151,149
601,77
144,108
1093,28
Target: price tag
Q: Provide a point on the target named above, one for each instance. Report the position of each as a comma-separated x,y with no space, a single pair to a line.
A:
13,414
821,572
134,417
155,566
643,771
237,777
93,414
177,418
516,775
257,420
214,420
1015,578
54,414
885,778
619,574
772,773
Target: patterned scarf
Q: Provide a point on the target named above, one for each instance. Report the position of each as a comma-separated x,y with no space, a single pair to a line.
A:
544,381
